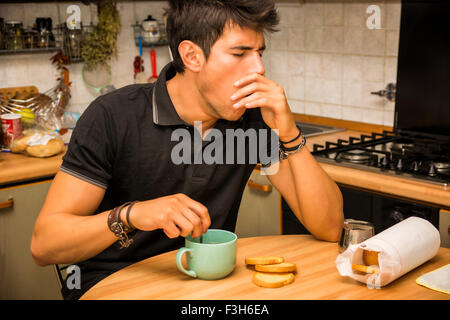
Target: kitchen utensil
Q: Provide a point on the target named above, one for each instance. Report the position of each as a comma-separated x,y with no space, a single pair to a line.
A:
97,78
212,259
139,75
154,76
354,232
151,30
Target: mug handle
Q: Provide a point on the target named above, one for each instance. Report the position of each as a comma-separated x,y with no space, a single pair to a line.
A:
180,253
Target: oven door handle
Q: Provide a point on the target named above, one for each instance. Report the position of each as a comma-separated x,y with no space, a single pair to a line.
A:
260,187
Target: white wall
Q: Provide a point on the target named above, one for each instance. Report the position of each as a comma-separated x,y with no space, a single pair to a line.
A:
324,56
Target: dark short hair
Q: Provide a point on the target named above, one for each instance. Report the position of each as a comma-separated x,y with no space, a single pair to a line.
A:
203,21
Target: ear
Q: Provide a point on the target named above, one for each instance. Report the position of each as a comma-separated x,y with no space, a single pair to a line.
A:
192,55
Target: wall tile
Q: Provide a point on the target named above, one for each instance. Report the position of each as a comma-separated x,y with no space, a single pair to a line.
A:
313,89
390,70
392,42
354,14
332,110
333,14
353,67
333,39
292,14
393,13
331,66
296,39
313,40
353,40
279,40
296,63
374,42
370,100
331,91
352,93
313,108
297,106
373,68
314,13
313,65
352,113
296,88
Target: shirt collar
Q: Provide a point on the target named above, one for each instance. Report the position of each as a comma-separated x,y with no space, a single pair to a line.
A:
164,112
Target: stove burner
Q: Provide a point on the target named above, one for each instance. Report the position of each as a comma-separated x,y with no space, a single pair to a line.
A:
442,167
413,157
358,156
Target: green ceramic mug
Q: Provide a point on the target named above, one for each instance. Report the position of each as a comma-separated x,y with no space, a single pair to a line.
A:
212,259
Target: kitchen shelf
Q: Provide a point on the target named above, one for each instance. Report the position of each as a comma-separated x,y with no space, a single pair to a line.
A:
137,29
29,50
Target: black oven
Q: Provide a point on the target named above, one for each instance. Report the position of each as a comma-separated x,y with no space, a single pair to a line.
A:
383,211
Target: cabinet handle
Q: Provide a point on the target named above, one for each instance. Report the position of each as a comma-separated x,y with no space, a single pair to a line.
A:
260,187
7,204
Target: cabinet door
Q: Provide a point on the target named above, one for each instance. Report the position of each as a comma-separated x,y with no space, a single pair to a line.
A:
444,228
20,277
259,213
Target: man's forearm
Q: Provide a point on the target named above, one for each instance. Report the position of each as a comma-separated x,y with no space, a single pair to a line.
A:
67,238
319,198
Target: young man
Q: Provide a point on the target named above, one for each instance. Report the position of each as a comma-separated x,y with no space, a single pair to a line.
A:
122,150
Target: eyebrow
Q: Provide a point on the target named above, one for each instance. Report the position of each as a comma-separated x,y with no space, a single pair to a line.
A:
249,48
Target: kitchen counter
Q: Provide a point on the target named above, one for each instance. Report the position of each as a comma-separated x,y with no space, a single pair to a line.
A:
317,276
402,188
15,168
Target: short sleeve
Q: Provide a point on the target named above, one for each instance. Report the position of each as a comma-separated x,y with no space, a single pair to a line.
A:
90,154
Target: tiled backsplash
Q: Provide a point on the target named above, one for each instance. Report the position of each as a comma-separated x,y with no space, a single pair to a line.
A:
324,55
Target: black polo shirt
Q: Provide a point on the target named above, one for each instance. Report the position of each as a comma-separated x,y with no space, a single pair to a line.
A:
123,143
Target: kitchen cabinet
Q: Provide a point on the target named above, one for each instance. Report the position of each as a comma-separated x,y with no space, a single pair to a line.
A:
444,228
259,213
20,277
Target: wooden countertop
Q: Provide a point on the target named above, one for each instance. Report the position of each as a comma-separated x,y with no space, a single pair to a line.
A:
16,168
317,277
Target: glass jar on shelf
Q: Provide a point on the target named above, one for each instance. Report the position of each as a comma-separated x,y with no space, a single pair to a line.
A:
30,39
14,31
2,34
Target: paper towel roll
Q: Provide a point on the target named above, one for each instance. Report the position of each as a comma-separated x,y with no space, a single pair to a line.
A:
402,247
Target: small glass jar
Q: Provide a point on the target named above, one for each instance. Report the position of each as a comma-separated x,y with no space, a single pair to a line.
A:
14,31
2,34
30,39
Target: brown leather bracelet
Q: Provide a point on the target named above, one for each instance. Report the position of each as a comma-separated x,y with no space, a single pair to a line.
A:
128,215
117,227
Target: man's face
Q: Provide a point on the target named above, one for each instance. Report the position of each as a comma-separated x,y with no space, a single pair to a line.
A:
235,54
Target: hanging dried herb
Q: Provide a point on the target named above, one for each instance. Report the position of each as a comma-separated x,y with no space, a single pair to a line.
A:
101,43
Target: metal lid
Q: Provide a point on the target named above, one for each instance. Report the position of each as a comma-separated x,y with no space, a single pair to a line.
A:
357,224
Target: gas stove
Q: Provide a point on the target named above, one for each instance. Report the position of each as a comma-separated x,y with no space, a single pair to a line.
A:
418,158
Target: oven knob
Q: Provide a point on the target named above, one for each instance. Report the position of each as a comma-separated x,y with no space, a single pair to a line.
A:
432,171
384,162
400,164
396,216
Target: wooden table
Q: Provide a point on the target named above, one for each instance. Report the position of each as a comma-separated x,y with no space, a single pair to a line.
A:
317,278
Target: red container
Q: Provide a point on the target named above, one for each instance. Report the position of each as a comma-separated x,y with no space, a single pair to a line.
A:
11,127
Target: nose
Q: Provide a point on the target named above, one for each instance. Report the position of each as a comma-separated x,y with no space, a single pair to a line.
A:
257,65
